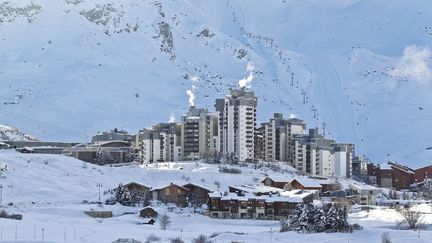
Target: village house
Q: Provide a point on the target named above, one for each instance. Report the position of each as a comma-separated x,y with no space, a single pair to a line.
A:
275,181
403,176
305,184
141,193
198,195
148,212
365,194
172,193
422,173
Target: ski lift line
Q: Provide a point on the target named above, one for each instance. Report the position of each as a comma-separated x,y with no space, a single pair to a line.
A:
47,124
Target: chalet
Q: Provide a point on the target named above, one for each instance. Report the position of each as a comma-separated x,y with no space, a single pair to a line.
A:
365,194
141,192
172,193
403,176
148,212
305,184
198,194
275,181
422,173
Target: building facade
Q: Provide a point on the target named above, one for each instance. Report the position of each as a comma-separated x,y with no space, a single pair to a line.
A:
239,121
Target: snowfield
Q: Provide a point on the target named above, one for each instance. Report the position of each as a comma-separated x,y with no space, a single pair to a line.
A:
72,68
49,189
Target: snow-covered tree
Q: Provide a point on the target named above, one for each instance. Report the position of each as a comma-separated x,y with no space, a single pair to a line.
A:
310,219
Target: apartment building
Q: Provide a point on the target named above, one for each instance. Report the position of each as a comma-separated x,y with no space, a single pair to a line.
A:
239,121
277,136
160,143
199,133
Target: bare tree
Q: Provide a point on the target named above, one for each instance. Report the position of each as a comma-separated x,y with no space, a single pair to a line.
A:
202,239
177,240
385,238
153,238
410,218
164,221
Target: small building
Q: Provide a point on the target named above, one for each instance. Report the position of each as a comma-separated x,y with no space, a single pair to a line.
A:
305,184
385,176
198,195
141,193
172,193
403,176
148,212
275,181
150,221
365,194
99,214
422,173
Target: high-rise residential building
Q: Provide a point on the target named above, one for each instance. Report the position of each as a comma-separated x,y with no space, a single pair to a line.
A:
239,120
199,133
160,143
343,157
312,153
277,135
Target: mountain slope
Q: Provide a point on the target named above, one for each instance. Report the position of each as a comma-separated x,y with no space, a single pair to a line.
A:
75,67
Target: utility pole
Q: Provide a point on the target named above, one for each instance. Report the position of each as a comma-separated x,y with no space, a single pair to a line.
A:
324,127
304,96
43,234
292,79
314,111
1,194
99,185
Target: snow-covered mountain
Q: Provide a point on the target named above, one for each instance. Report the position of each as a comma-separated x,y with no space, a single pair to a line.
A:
13,134
71,68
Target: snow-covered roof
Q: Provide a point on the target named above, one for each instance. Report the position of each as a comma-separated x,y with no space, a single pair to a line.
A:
308,182
257,189
364,186
385,166
278,178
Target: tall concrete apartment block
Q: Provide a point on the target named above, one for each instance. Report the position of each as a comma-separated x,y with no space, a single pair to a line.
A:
160,143
313,154
277,136
199,133
238,119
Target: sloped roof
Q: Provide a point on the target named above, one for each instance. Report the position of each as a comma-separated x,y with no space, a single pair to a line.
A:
307,182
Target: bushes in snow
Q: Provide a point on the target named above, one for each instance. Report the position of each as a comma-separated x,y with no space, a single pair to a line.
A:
6,215
176,240
385,238
229,170
310,219
202,239
153,238
164,221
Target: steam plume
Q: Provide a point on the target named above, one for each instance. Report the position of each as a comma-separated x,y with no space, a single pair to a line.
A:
246,82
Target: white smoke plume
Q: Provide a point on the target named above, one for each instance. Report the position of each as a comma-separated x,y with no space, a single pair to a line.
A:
190,93
415,64
246,82
293,116
172,118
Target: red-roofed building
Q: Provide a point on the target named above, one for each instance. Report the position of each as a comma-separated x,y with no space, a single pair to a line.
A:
421,173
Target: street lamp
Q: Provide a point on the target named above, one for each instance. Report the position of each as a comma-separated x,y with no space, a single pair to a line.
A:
99,185
1,194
